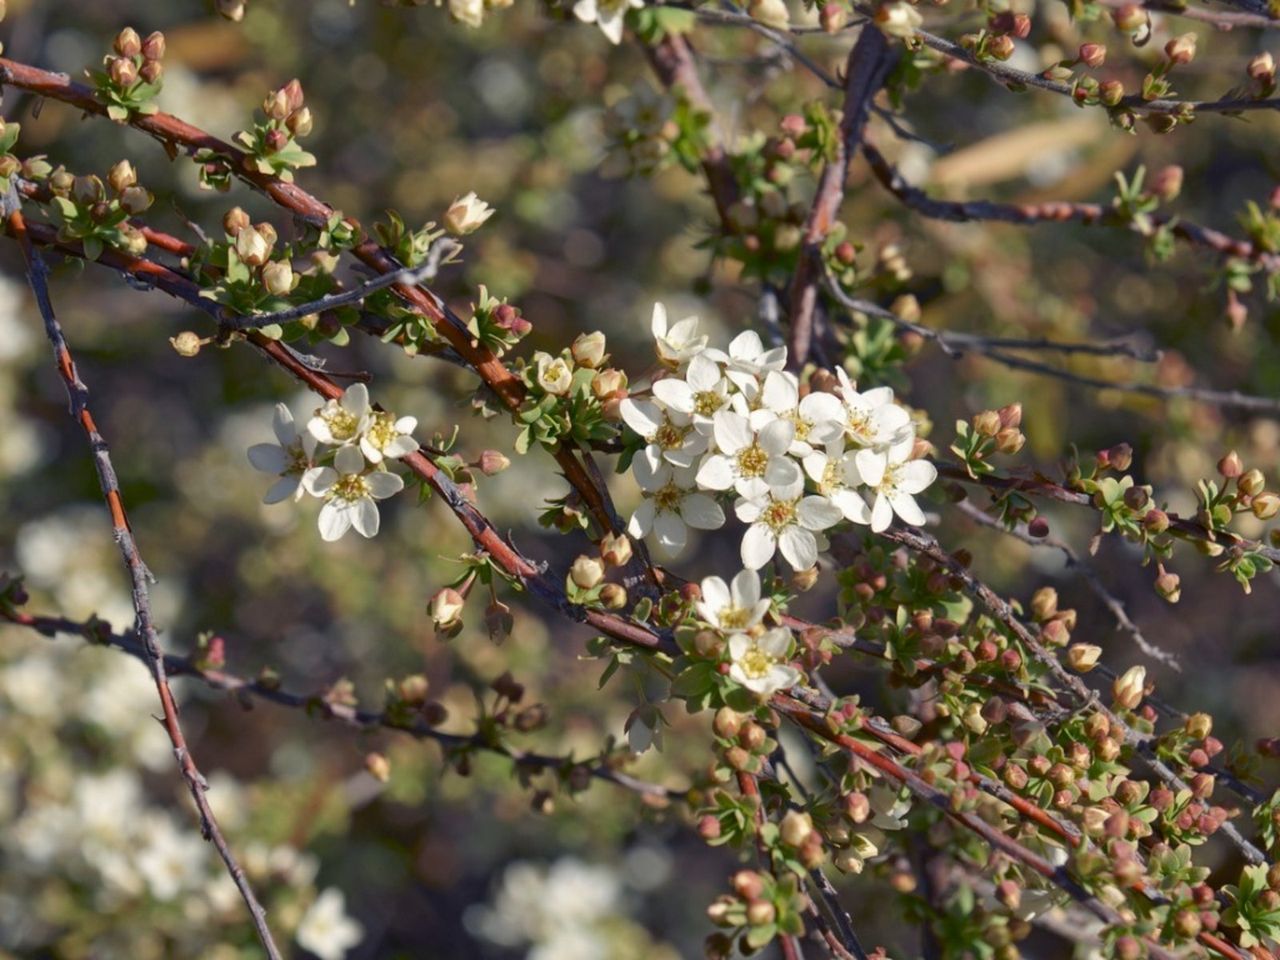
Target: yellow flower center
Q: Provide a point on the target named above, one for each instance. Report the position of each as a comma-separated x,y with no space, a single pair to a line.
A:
382,430
670,436
342,423
707,402
734,618
752,461
779,514
669,498
801,424
859,428
889,482
298,462
350,487
756,664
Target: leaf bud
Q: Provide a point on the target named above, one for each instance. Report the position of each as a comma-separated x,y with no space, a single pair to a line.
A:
1083,657
1128,689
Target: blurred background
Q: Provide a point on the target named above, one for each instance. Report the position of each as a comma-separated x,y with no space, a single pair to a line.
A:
411,111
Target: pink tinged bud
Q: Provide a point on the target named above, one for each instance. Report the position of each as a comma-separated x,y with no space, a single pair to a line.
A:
275,141
1018,24
152,71
833,17
235,220
300,122
492,462
1169,586
1083,657
727,723
709,828
1111,92
276,105
761,913
153,46
1092,54
1038,527
1167,183
1128,689
747,884
293,98
1120,457
136,200
127,43
1001,47
1262,68
1181,49
123,72
1130,18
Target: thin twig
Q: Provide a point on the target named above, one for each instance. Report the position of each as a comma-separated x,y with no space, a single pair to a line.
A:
139,575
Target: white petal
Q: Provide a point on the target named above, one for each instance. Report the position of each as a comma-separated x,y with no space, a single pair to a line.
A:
745,345
716,473
745,589
670,532
853,507
650,470
758,546
318,480
905,506
349,460
781,391
642,416
585,10
282,489
675,394
318,428
356,399
739,645
776,437
776,642
401,446
784,478
774,359
701,512
703,373
881,514
871,466
268,458
751,488
334,522
610,24
715,593
642,520
915,476
879,397
815,465
406,425
798,547
383,485
282,425
364,517
749,510
658,325
371,453
818,513
732,432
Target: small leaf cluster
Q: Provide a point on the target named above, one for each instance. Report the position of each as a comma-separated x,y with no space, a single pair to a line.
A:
96,213
571,396
986,434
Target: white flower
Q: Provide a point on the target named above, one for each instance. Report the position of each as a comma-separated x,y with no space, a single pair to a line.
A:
468,213
340,422
896,480
468,12
554,375
818,418
759,663
748,360
669,433
293,456
350,493
671,505
872,420
699,395
679,343
171,860
606,14
745,456
388,436
784,520
835,472
736,606
326,930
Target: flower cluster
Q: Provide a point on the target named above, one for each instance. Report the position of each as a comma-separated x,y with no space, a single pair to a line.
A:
737,425
352,475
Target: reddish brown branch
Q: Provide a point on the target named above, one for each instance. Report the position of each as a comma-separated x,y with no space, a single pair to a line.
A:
869,63
139,575
174,133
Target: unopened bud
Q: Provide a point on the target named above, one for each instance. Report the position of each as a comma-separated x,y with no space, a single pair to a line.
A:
1167,183
1129,688
1010,440
445,608
803,581
613,596
1001,47
1044,603
136,200
276,105
1265,506
186,344
123,72
986,423
153,46
277,277
1092,54
1169,586
492,462
1017,24
122,176
1181,49
300,122
586,572
1110,92
1262,68
772,13
1130,18
1083,657
127,43
379,767
251,247
616,550
833,17
235,220
588,349
795,828
1120,457
1155,521
1199,725
1252,483
608,382
152,71
727,723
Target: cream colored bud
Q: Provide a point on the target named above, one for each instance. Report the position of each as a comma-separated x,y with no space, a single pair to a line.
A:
251,247
1129,688
898,19
613,596
616,550
187,343
235,220
276,105
795,828
123,72
1199,725
379,767
445,608
772,13
586,572
1083,657
466,215
300,122
588,349
277,277
127,43
1181,49
608,382
121,176
136,200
